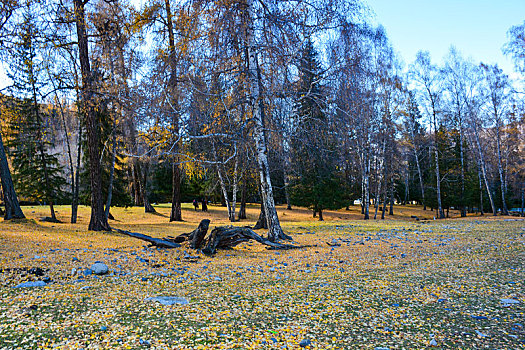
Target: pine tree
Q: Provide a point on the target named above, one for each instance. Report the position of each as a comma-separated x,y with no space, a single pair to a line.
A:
318,185
37,173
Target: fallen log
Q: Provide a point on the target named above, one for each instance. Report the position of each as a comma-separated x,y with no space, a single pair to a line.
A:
158,242
195,237
222,237
227,237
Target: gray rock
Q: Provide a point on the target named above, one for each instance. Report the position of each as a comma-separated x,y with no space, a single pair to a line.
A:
305,342
99,268
31,284
169,300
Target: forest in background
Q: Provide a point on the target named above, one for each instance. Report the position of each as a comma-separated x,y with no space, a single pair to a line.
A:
298,102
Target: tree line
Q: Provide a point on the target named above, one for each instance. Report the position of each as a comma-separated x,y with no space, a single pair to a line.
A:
301,102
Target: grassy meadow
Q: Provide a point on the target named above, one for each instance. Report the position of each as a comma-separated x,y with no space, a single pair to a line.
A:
378,284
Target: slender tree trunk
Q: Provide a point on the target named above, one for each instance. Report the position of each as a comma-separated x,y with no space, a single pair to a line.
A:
321,214
407,184
76,187
256,101
480,191
286,178
68,146
176,212
441,214
385,200
504,209
148,208
224,193
242,210
137,198
419,173
523,201
391,211
49,189
484,171
176,209
367,188
234,190
112,170
12,206
462,159
98,221
382,170
229,205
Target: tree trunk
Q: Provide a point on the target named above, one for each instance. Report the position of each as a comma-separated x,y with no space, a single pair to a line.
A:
261,222
321,214
68,146
234,190
148,208
12,206
256,101
176,212
462,159
484,171
137,198
367,188
112,170
49,189
523,202
407,184
385,200
441,214
76,188
382,170
480,192
420,175
286,178
229,205
391,211
98,221
40,139
242,210
504,209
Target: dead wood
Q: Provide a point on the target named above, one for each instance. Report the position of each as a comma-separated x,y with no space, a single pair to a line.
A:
227,237
222,237
158,242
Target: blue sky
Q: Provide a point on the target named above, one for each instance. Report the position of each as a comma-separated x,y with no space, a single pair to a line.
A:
477,28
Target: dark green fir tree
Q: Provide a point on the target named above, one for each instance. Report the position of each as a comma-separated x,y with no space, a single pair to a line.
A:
318,183
37,174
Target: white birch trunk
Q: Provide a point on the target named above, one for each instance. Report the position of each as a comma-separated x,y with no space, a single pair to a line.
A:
234,190
484,170
275,231
504,208
420,175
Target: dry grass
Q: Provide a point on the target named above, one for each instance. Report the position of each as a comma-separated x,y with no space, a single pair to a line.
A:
395,283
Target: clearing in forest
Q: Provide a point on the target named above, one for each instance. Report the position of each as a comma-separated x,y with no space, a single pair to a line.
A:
390,284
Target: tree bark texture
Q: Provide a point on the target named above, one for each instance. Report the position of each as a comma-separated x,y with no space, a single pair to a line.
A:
98,221
12,206
275,231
